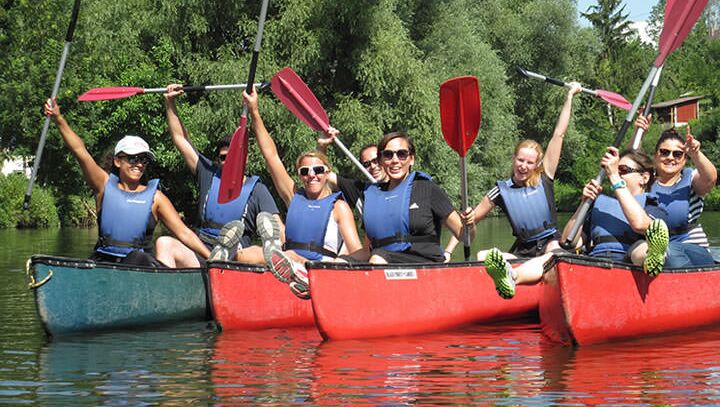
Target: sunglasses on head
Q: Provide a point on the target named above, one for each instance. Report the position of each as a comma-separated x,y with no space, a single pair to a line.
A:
624,170
143,159
677,154
316,169
368,163
402,154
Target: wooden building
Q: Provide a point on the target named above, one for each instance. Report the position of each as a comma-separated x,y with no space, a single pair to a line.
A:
677,112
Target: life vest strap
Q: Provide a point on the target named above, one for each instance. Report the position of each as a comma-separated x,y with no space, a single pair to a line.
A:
312,247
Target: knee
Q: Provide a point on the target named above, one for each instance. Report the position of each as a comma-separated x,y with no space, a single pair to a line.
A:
375,259
165,244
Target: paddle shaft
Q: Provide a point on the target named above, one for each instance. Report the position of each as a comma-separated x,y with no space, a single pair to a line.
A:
585,207
637,138
464,205
555,81
201,88
55,90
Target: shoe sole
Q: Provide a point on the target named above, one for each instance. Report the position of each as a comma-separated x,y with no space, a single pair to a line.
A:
269,231
657,237
496,266
300,290
230,234
281,266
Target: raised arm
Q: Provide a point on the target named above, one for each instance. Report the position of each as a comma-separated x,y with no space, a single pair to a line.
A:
284,184
705,177
95,176
637,218
165,211
554,148
322,145
177,130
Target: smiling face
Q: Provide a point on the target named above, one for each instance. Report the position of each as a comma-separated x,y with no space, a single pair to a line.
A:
370,160
391,160
669,158
131,167
313,182
525,161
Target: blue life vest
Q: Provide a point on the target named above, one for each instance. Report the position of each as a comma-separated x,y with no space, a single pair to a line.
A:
675,199
609,229
125,223
306,224
386,215
215,215
528,210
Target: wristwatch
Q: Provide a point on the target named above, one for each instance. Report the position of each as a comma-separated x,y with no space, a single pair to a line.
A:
618,185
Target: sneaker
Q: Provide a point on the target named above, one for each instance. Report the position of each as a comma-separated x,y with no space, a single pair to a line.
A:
300,290
280,265
228,241
501,272
268,229
657,238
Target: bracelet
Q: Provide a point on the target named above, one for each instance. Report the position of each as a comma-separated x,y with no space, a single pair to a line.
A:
618,185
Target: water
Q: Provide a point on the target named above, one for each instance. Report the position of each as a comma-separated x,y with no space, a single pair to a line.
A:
192,364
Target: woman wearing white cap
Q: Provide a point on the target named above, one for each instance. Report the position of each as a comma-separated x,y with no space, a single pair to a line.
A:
127,209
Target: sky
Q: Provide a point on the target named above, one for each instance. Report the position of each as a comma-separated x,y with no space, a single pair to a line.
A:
637,10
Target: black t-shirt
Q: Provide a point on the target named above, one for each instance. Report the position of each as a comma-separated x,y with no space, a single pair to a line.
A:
260,199
352,190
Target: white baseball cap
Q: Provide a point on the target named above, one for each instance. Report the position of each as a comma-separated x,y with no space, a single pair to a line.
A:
132,145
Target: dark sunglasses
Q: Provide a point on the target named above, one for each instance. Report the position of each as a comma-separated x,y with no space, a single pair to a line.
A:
143,159
402,154
624,170
316,169
368,163
677,154
222,157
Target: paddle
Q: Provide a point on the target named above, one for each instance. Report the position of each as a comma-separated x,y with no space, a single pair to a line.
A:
613,98
460,115
55,90
299,99
120,92
637,138
233,172
680,16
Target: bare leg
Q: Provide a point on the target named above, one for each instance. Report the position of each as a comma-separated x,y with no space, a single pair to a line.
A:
375,259
483,253
174,254
638,253
531,271
250,255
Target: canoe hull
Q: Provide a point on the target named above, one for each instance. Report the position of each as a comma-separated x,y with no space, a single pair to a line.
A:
587,301
363,301
80,295
249,297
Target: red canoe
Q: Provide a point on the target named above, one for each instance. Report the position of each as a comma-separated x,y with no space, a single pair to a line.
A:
363,301
246,296
588,300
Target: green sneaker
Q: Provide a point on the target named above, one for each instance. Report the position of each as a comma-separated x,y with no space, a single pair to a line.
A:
501,272
657,238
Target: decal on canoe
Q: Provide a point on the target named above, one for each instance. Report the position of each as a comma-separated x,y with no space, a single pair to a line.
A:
401,274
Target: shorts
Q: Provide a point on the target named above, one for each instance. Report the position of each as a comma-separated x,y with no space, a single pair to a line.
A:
534,248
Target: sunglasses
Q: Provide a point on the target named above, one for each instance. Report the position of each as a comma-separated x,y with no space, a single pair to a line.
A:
222,157
624,170
316,170
143,159
368,163
677,154
402,154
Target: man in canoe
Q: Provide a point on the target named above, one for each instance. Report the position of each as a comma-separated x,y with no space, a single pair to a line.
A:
351,188
128,209
628,226
239,214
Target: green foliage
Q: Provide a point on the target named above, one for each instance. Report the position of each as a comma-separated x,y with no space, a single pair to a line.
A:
77,210
42,212
567,197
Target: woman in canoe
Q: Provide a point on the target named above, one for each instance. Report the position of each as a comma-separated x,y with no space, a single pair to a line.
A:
680,192
319,224
404,215
128,210
528,198
628,226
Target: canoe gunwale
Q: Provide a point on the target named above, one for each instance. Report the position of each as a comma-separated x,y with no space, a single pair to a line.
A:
601,262
237,266
59,261
398,266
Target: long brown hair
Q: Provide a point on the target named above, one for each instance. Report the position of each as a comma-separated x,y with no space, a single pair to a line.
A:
534,178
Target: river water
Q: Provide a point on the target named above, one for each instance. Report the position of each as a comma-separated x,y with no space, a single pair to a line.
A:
193,364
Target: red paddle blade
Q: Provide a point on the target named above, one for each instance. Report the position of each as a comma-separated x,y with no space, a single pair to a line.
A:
299,99
460,112
680,17
233,172
614,99
110,93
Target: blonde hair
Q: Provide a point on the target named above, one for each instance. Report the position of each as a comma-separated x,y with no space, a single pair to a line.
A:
315,154
534,179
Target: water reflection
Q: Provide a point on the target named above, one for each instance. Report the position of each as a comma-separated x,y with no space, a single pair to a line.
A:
162,367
